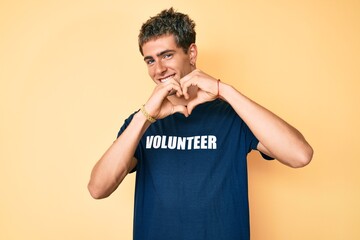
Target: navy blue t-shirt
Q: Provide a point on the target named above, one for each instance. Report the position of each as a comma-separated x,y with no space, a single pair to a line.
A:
191,176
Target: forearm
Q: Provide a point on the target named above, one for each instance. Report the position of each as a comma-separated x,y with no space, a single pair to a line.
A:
117,161
276,137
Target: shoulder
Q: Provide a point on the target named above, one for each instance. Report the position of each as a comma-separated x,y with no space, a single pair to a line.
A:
221,109
216,112
126,122
216,105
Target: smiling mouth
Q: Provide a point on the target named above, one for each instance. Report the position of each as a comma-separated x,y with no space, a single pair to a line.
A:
162,80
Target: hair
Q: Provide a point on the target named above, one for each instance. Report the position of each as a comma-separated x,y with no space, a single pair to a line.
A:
169,22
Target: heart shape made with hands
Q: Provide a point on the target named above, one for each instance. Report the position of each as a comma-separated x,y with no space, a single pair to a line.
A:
197,87
195,98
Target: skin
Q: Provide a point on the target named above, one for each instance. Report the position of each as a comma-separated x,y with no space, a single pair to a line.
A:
180,87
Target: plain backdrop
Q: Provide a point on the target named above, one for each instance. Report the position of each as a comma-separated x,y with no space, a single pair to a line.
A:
71,72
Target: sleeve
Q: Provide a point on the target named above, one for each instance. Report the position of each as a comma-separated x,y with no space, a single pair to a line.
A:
122,129
253,141
125,125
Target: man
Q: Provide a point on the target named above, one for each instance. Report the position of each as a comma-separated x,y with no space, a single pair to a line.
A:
189,142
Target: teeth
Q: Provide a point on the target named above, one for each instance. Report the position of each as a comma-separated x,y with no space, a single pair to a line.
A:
166,79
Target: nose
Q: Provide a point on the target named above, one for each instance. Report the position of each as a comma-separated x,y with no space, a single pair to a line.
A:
160,68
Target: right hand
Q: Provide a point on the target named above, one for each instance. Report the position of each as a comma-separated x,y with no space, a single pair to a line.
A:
158,106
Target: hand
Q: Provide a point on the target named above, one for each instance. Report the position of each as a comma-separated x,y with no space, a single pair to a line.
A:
158,106
208,88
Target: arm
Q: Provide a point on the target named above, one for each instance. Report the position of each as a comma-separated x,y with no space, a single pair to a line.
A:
119,159
276,137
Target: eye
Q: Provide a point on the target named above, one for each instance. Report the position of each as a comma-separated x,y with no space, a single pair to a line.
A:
149,61
168,55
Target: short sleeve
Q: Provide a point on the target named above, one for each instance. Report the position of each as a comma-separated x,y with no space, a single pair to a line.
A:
122,129
253,141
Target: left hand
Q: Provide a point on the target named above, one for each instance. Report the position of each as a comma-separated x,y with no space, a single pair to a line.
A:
207,88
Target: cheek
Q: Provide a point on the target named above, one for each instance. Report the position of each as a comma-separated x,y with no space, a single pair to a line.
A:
150,72
186,68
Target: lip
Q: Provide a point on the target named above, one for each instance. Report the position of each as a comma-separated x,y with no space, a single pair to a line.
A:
165,79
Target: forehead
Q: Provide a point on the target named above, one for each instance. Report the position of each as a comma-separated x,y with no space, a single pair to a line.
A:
158,45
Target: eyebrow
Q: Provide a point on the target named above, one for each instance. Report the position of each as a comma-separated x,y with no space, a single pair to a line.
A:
160,54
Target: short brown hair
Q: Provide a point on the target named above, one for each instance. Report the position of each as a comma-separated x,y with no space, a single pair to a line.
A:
169,22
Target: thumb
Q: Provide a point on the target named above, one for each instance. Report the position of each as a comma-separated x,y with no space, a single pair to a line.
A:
180,109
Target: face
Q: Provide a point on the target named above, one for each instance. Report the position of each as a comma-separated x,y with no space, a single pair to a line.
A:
164,59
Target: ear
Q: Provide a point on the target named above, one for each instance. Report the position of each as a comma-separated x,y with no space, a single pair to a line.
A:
192,52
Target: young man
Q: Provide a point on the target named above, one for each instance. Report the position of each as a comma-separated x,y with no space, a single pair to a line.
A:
189,142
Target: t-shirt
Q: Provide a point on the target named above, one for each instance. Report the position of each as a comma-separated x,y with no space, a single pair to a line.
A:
191,176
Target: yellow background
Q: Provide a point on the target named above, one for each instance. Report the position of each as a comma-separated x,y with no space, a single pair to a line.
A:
71,73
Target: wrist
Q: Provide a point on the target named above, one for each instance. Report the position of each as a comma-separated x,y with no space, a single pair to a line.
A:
148,117
140,119
222,88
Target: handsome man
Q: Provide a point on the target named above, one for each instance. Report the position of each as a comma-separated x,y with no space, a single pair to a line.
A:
188,144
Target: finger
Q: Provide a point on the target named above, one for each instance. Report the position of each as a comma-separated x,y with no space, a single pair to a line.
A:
172,88
189,76
185,87
176,87
172,92
180,109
